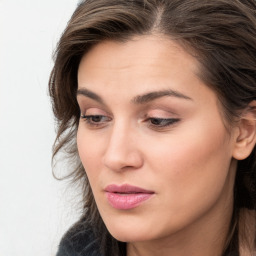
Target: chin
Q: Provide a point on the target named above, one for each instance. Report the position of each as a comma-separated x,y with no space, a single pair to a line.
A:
126,237
130,233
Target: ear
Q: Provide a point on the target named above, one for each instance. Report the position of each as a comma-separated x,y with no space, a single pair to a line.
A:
246,137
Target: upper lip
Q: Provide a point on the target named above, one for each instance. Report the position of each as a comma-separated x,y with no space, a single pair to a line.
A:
126,189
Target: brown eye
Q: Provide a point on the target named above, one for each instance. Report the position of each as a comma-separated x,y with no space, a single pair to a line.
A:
95,120
162,122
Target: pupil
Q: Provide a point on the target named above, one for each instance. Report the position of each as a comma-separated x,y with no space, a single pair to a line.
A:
156,121
96,118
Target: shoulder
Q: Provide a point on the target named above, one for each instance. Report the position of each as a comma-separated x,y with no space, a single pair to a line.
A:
79,241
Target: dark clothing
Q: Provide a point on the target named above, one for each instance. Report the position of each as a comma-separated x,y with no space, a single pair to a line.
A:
79,244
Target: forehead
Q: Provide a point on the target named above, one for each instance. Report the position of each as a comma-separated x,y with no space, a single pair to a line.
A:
119,72
150,50
145,57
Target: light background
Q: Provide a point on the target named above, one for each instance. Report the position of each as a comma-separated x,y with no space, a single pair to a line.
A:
35,210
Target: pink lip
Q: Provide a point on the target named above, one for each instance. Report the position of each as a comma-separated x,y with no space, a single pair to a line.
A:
126,197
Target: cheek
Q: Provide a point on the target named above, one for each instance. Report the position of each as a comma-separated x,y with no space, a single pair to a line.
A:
187,168
89,149
192,166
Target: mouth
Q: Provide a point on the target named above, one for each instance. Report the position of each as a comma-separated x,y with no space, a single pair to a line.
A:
126,197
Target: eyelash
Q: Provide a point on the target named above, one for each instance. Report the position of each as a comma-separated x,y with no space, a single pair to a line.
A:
153,122
159,123
93,123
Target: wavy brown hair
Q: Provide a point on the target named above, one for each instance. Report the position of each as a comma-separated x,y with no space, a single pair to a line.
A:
220,34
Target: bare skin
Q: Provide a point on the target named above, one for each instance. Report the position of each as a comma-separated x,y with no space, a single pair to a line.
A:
147,120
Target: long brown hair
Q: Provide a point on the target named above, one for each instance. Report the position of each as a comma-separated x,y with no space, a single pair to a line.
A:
220,34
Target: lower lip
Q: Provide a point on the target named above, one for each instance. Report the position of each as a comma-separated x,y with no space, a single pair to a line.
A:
127,201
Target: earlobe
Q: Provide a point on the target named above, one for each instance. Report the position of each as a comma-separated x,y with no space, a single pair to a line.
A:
246,138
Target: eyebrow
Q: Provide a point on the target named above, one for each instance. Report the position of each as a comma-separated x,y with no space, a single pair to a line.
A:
87,93
145,98
140,99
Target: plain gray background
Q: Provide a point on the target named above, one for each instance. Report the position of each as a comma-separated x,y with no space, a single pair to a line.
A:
35,209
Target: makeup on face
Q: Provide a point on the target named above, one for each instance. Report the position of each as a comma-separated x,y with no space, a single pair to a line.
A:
152,141
125,197
159,110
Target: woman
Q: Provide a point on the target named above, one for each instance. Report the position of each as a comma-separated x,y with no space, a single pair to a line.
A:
157,97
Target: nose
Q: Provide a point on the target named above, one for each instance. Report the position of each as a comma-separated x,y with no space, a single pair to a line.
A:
122,151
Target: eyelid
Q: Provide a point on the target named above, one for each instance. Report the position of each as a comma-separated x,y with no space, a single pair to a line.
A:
161,123
93,111
160,119
86,103
95,121
94,116
160,113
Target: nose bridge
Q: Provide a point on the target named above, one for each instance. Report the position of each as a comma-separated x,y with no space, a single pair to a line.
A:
122,148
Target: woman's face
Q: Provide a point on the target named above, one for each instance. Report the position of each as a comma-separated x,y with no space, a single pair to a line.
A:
152,140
